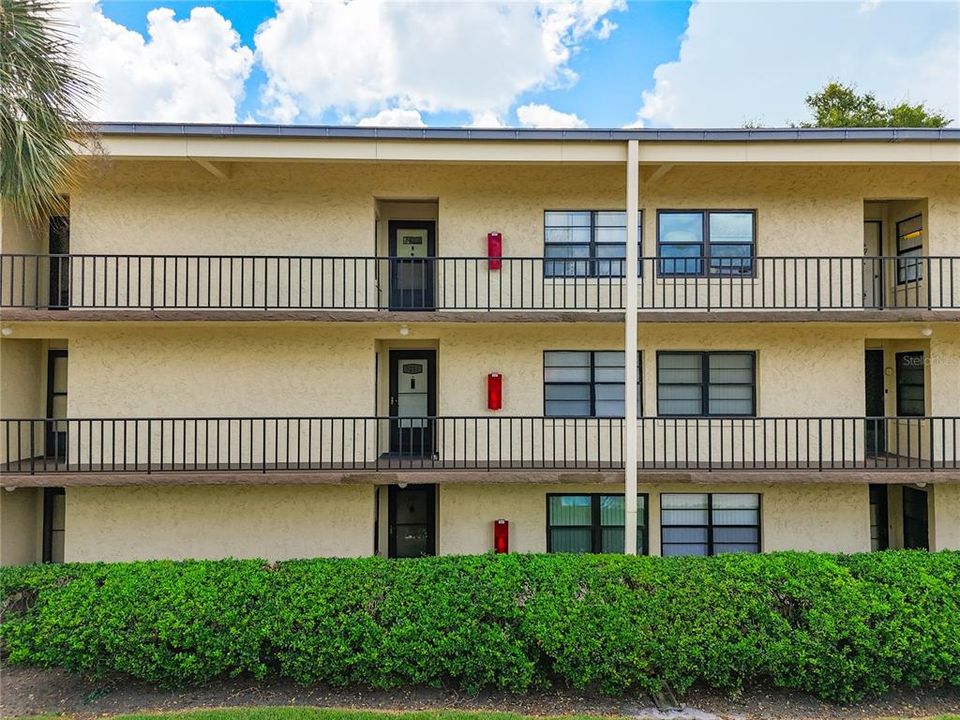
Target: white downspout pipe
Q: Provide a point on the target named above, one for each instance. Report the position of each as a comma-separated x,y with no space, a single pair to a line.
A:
630,350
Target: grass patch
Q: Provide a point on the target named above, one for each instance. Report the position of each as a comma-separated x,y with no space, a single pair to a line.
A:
307,713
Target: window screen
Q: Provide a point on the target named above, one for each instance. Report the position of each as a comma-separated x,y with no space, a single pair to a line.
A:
585,243
586,383
592,523
706,383
709,524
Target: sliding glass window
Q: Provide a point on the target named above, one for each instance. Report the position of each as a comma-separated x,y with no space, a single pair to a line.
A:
706,383
709,524
592,523
698,243
586,243
586,383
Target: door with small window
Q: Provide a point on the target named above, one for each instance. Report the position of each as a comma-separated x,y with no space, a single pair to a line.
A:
412,521
413,402
412,264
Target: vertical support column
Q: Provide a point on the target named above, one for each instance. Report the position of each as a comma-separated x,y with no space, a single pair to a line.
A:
630,350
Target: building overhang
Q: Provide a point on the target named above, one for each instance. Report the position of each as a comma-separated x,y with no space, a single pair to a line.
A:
277,143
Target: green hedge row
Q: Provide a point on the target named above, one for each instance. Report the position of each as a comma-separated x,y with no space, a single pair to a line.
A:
842,627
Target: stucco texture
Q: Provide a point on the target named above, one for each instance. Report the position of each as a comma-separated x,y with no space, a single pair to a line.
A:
20,526
279,522
324,370
256,521
164,207
945,525
339,210
829,518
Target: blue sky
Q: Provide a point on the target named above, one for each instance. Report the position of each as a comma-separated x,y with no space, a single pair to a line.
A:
597,63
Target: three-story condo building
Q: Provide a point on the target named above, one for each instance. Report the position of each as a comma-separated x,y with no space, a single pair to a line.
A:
261,341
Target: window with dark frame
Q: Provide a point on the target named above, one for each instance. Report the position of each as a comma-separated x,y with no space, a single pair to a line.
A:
586,243
706,243
910,384
910,250
586,383
709,524
721,383
592,523
54,514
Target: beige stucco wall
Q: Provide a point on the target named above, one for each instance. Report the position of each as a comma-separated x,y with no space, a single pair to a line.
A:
324,370
831,518
332,209
20,519
316,208
945,523
18,236
330,369
22,373
278,522
254,521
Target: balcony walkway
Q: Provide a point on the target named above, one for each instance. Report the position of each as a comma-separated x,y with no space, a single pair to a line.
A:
477,449
79,288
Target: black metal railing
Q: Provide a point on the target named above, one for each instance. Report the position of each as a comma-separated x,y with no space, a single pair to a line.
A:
474,283
277,444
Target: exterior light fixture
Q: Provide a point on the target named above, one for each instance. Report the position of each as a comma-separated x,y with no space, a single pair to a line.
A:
404,330
6,332
927,332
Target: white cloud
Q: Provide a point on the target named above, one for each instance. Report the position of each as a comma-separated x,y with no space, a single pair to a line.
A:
478,57
747,61
190,70
397,117
486,119
544,116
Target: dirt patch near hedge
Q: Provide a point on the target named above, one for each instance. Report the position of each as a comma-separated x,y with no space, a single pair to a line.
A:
29,691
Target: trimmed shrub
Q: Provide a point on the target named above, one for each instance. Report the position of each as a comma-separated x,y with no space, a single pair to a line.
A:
842,627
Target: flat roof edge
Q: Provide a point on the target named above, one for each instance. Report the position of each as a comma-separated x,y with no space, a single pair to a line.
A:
334,132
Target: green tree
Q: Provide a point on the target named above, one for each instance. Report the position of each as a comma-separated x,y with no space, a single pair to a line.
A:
839,105
44,94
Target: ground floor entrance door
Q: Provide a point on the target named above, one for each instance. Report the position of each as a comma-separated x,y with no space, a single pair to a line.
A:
412,521
875,432
413,402
916,528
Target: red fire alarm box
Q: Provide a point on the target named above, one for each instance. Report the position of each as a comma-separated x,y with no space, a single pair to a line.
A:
495,249
494,391
501,536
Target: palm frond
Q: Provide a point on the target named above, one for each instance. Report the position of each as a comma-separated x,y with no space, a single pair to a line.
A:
44,97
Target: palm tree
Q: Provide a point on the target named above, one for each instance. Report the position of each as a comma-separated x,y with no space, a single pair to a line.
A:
43,96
